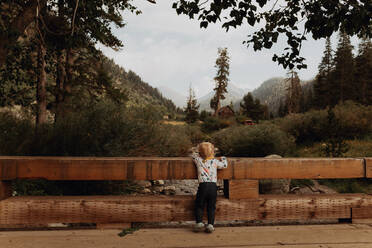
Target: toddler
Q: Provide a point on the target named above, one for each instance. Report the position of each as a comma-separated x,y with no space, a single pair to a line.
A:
207,167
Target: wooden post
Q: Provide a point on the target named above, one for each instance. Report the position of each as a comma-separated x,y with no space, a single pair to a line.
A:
241,189
5,189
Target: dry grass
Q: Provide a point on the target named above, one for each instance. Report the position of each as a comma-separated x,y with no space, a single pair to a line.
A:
174,123
357,148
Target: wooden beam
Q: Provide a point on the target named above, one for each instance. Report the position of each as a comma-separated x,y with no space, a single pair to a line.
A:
126,209
241,189
88,168
5,189
368,162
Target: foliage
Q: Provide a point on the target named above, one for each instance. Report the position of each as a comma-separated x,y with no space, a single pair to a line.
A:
252,108
221,79
319,18
191,108
204,114
104,129
253,141
335,145
307,127
352,118
342,77
212,124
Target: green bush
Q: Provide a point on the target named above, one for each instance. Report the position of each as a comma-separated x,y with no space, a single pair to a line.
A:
103,130
212,124
353,120
307,127
253,141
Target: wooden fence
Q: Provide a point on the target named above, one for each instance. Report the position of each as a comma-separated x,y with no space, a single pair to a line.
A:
244,202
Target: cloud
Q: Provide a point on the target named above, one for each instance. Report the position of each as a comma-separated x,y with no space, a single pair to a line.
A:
171,50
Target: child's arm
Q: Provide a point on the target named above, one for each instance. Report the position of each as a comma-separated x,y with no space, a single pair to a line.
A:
196,159
221,163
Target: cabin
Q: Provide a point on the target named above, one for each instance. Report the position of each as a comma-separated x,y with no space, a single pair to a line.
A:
226,112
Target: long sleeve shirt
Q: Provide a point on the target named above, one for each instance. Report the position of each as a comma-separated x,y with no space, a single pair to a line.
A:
207,169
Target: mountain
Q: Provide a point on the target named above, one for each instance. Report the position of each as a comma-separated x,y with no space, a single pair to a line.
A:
274,90
234,94
140,93
271,92
178,99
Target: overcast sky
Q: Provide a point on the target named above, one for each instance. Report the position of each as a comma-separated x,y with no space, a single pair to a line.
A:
166,49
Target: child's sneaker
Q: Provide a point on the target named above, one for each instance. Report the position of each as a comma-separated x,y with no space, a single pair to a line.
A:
198,227
209,228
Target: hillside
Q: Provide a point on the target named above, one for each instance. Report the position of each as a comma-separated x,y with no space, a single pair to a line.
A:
274,90
178,99
139,92
271,92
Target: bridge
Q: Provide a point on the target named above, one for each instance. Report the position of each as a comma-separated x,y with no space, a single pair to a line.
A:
242,200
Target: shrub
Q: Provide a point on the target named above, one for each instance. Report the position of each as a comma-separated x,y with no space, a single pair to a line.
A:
253,141
307,127
212,124
353,120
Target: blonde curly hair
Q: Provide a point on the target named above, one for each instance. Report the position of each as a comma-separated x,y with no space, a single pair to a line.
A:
206,150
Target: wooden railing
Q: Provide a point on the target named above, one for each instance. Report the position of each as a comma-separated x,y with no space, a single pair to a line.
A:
243,203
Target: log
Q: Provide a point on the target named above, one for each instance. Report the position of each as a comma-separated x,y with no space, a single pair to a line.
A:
89,168
241,189
126,209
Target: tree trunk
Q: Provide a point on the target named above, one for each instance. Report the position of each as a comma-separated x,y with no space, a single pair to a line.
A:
67,86
41,87
60,81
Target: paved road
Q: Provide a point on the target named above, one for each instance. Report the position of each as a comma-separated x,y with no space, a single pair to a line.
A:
325,236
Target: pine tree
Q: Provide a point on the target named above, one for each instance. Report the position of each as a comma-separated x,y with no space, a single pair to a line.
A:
343,76
192,107
294,93
221,79
322,89
363,71
282,111
252,107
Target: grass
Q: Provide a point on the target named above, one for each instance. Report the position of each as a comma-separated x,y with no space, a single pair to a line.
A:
357,148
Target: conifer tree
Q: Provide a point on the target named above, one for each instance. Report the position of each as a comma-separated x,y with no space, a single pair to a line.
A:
221,79
294,93
253,108
363,71
343,76
192,108
322,89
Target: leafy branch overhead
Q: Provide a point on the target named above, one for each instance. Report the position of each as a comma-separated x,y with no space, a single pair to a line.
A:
292,19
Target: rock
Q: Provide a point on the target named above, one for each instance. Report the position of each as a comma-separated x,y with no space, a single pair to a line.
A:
146,191
158,189
159,182
143,183
169,190
274,186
